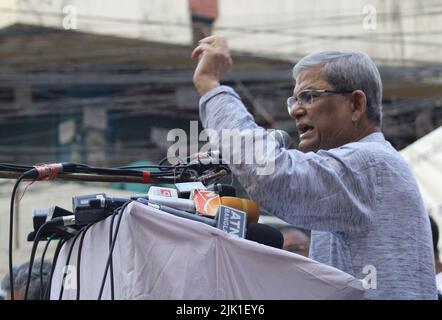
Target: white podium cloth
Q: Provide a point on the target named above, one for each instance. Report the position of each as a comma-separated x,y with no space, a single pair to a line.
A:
161,256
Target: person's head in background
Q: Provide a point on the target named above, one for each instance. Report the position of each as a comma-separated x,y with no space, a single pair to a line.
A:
20,279
295,240
435,234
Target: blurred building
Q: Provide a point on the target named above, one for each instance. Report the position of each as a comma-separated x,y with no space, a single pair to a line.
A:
104,82
106,100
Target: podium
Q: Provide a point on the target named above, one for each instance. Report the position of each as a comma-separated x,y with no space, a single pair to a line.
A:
161,256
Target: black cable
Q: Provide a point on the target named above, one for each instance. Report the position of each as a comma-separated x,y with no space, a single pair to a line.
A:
11,232
109,171
54,263
33,252
16,168
114,240
41,265
148,167
80,247
111,229
68,259
123,171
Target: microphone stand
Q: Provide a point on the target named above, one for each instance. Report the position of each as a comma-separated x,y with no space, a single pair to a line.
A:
91,177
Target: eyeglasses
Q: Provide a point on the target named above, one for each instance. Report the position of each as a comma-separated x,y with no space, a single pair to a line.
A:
298,249
307,96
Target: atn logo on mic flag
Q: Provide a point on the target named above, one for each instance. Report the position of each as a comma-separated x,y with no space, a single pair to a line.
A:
232,221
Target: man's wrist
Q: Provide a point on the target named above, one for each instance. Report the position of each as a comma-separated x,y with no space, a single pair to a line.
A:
204,85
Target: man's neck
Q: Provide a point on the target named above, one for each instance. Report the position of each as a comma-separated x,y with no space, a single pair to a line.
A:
366,132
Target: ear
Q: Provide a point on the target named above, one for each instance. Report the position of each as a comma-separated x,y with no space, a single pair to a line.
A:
359,105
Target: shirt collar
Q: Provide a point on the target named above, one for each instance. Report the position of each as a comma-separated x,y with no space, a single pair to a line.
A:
373,137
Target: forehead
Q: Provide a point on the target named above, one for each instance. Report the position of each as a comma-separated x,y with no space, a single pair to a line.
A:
295,236
309,78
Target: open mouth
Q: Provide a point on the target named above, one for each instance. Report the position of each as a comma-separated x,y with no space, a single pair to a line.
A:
304,128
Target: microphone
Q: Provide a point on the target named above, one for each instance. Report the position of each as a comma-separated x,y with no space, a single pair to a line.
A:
186,188
229,217
178,213
101,201
264,234
59,221
178,203
49,171
249,206
95,207
162,191
231,221
207,203
224,190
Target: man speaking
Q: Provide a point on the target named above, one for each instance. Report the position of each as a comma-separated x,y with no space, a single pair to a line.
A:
346,183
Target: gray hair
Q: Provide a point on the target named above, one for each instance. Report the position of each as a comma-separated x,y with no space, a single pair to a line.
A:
348,70
21,276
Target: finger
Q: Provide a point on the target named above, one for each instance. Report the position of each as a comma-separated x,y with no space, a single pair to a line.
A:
209,39
216,41
196,53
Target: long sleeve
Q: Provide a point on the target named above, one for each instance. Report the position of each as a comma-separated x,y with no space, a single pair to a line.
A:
332,190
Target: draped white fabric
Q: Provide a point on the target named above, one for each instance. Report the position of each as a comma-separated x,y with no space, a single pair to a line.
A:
425,158
160,256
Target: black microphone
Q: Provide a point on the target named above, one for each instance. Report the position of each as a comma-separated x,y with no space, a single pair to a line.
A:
49,170
177,212
224,190
264,234
51,217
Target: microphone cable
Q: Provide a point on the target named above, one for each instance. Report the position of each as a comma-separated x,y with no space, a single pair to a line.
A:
60,244
42,289
14,167
29,174
111,268
11,230
80,248
111,249
68,259
33,252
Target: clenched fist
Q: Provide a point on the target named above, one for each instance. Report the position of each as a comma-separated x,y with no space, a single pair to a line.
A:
214,61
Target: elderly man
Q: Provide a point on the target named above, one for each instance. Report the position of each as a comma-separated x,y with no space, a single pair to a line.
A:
346,183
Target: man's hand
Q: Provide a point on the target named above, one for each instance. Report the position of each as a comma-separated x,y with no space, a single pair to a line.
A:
214,61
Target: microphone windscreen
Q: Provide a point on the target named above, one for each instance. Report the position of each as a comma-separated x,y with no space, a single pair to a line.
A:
246,205
264,234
